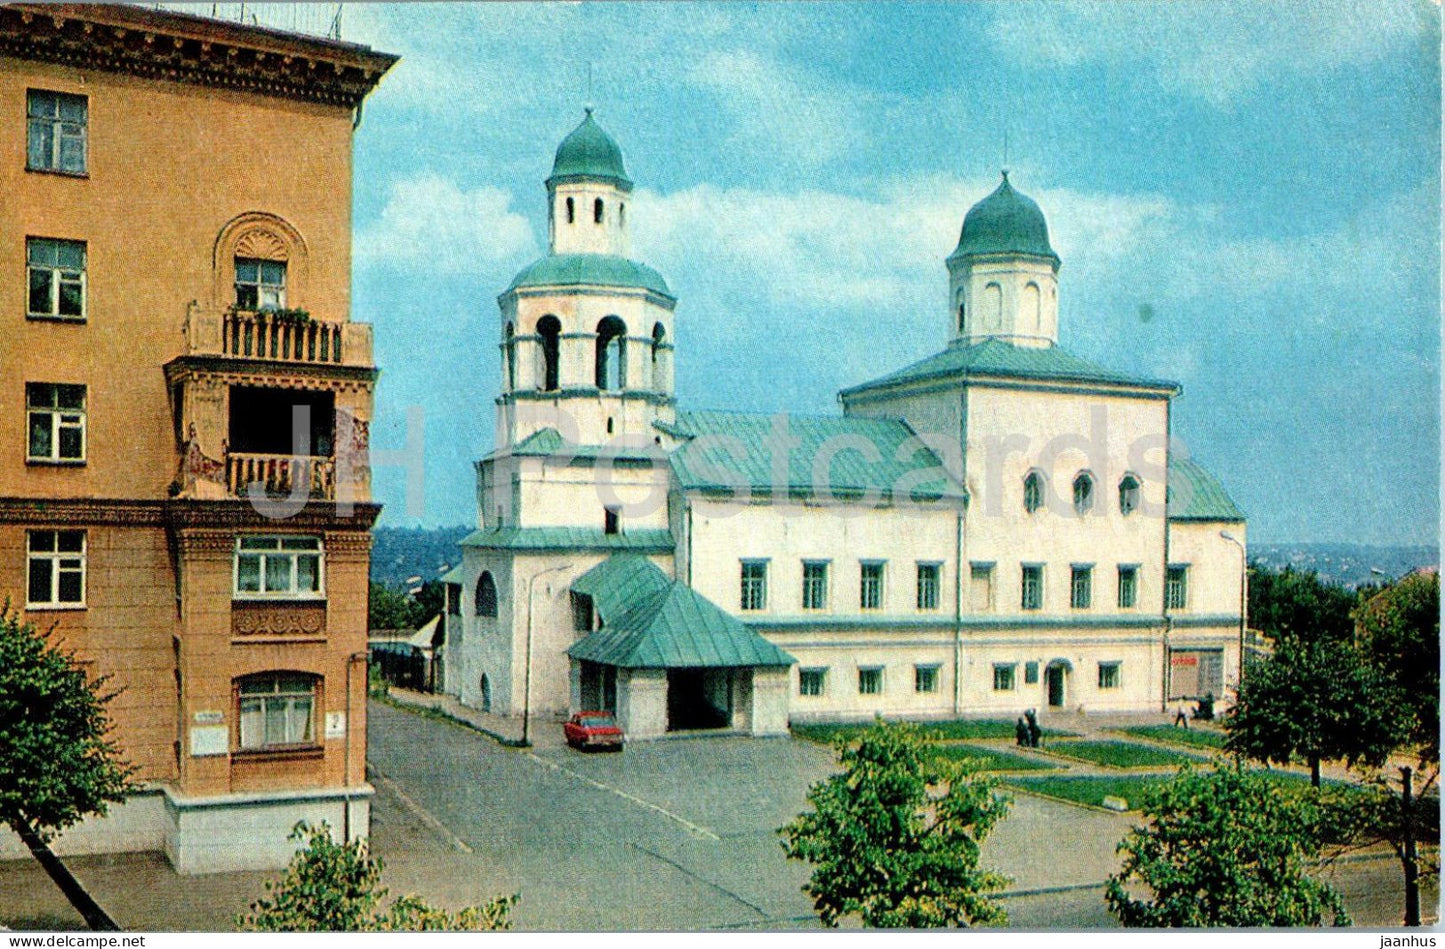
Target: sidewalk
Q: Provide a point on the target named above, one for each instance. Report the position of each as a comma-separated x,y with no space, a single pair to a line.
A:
543,730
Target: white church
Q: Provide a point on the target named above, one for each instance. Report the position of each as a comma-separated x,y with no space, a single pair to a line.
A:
997,527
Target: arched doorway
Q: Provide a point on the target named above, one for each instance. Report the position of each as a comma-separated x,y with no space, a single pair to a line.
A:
1056,677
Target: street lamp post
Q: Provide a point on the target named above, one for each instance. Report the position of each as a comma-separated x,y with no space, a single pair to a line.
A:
527,674
1243,599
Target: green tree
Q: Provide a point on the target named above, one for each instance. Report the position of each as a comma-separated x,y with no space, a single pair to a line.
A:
1292,605
336,887
391,608
58,763
894,838
1319,700
1399,632
1226,847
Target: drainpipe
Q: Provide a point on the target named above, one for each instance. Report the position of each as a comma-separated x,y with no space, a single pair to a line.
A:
527,673
958,616
351,661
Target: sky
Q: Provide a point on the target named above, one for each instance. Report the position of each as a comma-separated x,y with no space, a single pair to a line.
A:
1245,196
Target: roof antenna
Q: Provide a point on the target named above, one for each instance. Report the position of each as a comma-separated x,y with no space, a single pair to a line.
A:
1005,152
587,106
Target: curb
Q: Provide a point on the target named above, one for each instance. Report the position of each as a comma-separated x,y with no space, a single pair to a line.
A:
436,711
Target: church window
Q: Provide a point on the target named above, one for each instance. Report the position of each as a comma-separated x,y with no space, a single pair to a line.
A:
549,328
1033,310
571,211
611,354
486,604
962,322
754,591
597,211
621,215
992,307
1083,493
611,520
659,336
509,355
1033,492
1128,495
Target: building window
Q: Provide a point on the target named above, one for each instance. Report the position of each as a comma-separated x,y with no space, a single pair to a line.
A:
260,284
549,328
611,354
870,585
1109,675
980,587
283,567
276,711
754,585
486,595
56,574
1032,596
1081,587
1003,677
56,274
1031,673
870,680
1033,492
571,211
597,211
659,337
57,124
1128,495
1176,587
1083,494
810,681
815,584
454,599
928,586
581,612
56,422
1128,587
509,353
612,520
925,679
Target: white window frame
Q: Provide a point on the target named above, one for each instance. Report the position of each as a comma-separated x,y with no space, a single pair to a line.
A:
58,275
1037,569
267,548
814,677
1005,676
60,419
68,562
1130,490
931,586
759,602
1130,570
1081,580
59,128
930,670
1083,493
279,701
1179,586
872,674
269,294
1111,669
867,583
984,572
815,589
1034,488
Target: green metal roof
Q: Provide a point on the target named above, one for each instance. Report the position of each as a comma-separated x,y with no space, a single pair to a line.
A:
995,357
602,270
740,445
1005,222
653,622
454,575
569,538
588,152
1196,495
547,442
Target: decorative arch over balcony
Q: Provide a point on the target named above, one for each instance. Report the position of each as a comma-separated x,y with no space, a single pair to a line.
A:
257,235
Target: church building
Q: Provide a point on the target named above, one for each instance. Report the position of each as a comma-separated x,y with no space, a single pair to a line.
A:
1000,526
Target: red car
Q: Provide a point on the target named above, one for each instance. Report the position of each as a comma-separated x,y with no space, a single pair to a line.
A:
593,730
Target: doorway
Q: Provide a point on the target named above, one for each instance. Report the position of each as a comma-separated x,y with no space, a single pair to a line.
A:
699,698
1057,678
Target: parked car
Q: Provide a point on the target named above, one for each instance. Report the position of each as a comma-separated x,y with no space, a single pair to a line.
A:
593,730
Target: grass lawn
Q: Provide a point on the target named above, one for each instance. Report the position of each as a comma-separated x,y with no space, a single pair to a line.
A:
1121,754
1193,737
954,730
1091,789
989,759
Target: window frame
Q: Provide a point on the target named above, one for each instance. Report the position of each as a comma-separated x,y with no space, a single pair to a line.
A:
1176,581
260,305
249,545
277,701
55,558
815,589
986,572
926,673
875,583
929,582
1111,674
1005,677
812,681
57,132
1081,586
59,276
1031,672
1130,491
1036,571
1034,487
759,602
58,422
873,674
487,602
1131,571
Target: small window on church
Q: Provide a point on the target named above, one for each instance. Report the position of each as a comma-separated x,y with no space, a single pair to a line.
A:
1083,493
597,211
571,211
1128,495
621,215
1033,492
612,520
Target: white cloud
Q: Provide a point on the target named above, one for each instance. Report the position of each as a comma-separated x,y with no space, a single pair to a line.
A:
1214,51
430,223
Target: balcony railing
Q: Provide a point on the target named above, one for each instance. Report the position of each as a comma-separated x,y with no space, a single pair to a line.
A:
242,334
279,473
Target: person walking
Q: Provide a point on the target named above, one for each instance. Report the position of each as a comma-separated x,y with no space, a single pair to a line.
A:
1035,732
1021,733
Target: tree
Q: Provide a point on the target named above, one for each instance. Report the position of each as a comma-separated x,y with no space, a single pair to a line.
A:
1319,700
1399,632
895,836
58,763
1290,605
390,608
1226,847
336,887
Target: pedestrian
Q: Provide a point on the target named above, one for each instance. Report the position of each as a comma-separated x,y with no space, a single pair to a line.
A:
1181,716
1021,733
1035,732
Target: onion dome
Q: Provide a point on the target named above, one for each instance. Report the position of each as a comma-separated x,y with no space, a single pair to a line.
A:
588,153
1005,222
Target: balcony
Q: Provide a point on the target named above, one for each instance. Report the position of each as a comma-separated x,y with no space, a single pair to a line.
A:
277,337
282,475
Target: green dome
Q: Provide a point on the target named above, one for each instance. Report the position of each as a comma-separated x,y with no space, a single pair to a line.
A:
589,152
601,270
1005,222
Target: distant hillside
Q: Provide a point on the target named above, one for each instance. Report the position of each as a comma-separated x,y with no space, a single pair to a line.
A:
1350,564
399,553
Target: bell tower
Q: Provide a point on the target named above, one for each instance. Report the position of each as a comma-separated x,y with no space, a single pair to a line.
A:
588,193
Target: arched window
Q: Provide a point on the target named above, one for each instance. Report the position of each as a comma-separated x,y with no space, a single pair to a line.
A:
611,354
1033,492
571,211
992,307
549,328
486,594
621,214
1084,493
276,710
1033,310
509,354
597,211
1128,495
962,322
659,336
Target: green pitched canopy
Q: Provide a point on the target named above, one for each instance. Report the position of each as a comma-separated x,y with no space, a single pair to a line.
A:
589,153
1197,495
603,270
1005,222
650,621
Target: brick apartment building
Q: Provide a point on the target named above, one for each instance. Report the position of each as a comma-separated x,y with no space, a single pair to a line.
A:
184,409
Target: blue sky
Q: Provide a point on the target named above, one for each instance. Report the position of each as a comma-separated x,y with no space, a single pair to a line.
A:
1262,181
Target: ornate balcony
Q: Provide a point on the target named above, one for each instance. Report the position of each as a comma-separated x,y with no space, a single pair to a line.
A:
277,337
281,474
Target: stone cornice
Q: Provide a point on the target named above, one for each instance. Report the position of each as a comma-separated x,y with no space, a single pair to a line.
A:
177,47
271,372
185,514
